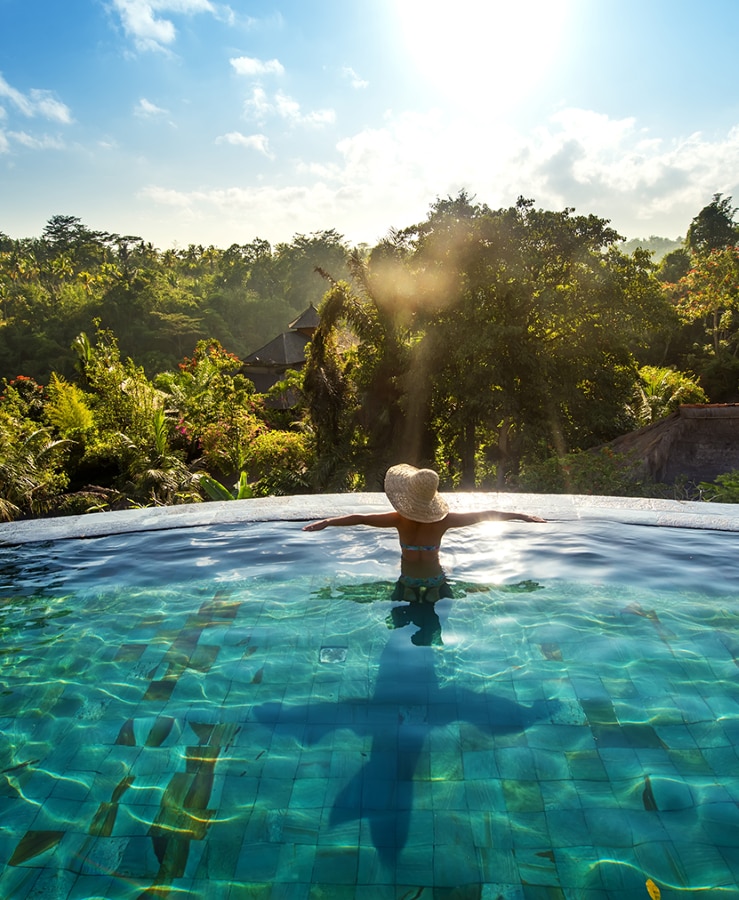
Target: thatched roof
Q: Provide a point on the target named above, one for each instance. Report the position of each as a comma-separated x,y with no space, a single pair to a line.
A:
698,442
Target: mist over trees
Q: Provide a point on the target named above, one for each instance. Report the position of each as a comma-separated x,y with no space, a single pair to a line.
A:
492,344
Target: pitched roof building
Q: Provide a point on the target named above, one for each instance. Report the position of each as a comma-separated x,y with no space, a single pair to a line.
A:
268,365
697,442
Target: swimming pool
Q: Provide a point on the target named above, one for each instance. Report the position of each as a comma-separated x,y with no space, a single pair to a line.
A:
238,710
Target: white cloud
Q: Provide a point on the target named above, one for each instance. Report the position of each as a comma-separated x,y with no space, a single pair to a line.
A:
259,106
248,65
142,19
351,76
46,142
145,109
258,142
388,176
36,103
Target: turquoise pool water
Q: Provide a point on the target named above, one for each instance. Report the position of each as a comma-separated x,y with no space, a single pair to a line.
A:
241,712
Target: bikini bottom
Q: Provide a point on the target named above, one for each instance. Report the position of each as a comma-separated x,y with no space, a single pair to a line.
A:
421,590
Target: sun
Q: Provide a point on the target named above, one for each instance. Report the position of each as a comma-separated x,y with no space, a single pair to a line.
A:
482,52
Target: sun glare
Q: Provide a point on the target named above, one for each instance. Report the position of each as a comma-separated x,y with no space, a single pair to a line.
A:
481,52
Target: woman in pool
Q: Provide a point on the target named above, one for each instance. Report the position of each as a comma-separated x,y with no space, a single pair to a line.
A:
421,518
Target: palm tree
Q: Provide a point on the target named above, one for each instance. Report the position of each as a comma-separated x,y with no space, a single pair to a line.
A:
357,406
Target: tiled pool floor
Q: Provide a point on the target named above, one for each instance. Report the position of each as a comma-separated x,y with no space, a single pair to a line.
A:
201,765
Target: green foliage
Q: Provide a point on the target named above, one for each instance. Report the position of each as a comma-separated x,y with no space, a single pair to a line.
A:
279,462
217,491
674,266
710,293
660,391
32,472
724,490
713,228
67,409
216,409
596,472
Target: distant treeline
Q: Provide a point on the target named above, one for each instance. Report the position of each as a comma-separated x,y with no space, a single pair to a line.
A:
158,303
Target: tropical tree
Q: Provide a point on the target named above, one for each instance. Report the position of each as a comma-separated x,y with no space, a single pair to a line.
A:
711,294
536,313
713,228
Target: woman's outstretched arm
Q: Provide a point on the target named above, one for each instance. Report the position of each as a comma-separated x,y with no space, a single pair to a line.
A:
376,520
459,520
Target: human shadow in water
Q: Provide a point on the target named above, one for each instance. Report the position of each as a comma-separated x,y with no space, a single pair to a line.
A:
407,704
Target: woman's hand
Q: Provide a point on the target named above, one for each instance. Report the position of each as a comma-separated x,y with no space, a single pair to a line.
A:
316,526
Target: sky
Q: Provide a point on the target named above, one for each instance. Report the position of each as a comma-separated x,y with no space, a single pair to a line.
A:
200,122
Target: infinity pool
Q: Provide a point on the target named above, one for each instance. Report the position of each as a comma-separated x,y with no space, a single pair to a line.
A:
240,711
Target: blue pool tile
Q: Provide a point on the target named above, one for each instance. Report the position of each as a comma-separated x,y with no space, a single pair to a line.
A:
536,867
549,765
708,734
98,885
452,827
282,891
420,828
447,765
374,891
257,862
720,821
562,738
529,829
560,794
339,828
477,764
522,796
579,867
301,826
646,826
331,891
497,866
498,890
620,762
586,765
567,827
414,865
219,857
515,763
596,794
721,759
295,863
372,869
485,795
139,859
609,828
378,793
448,795
454,866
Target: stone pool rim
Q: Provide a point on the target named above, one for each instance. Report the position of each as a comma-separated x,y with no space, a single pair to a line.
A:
306,507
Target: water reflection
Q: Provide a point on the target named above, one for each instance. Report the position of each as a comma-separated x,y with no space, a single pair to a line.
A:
406,706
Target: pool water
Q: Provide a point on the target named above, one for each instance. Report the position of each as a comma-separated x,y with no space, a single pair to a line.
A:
242,712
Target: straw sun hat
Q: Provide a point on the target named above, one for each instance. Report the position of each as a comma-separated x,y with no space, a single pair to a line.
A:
413,493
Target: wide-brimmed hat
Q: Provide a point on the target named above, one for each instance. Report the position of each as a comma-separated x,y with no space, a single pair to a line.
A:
413,493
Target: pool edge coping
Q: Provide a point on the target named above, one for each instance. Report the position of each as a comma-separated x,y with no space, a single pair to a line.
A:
306,507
